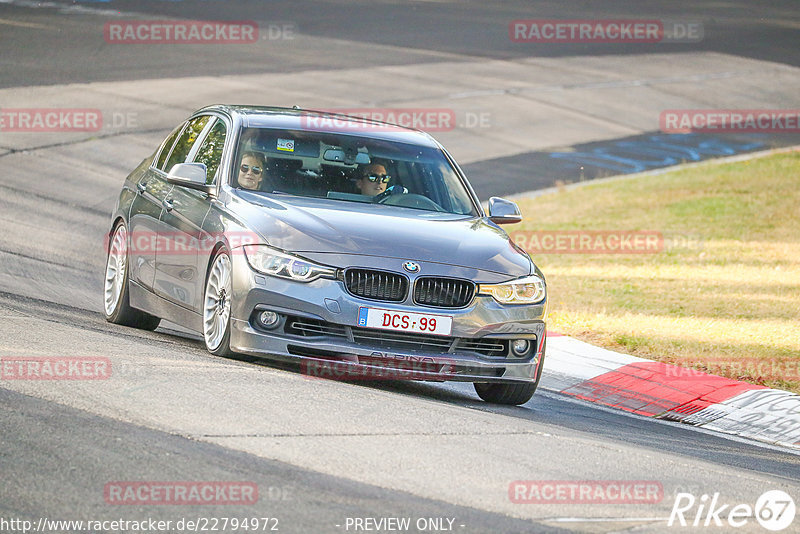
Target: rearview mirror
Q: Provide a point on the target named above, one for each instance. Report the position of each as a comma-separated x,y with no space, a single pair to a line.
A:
191,175
502,211
339,155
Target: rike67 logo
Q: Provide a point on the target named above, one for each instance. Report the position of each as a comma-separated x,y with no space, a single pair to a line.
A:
774,510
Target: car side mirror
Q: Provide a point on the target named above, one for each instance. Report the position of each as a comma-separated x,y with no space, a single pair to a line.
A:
502,211
191,175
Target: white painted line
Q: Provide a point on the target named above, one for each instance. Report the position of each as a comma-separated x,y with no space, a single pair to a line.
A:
26,24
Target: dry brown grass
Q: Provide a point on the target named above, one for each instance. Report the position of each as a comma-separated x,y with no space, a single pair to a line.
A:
723,296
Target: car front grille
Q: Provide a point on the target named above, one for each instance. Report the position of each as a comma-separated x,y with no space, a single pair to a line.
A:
388,339
443,292
376,285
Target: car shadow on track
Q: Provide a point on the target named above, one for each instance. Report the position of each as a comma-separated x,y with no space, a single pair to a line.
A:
549,411
554,412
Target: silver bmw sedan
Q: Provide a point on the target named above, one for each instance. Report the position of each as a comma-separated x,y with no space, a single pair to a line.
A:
353,247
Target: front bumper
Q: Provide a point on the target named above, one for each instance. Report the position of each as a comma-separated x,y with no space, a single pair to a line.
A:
318,329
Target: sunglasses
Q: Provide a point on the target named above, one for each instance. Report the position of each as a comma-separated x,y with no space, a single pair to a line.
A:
383,178
246,168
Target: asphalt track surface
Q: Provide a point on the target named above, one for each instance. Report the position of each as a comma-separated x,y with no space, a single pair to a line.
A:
319,451
71,52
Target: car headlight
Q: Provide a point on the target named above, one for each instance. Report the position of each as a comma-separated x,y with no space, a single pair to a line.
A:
527,290
267,260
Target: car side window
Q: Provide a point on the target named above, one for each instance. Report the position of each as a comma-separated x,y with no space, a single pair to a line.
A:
210,152
167,147
184,144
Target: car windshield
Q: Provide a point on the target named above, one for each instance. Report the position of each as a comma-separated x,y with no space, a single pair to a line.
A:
349,168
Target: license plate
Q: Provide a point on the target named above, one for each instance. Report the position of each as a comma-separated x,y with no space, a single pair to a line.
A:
424,323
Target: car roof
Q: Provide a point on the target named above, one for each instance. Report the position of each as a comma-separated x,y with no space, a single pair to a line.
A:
322,121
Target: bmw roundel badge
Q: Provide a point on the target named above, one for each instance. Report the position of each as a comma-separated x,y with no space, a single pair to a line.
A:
411,267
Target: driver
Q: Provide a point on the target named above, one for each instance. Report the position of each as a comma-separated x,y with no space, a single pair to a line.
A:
251,170
373,180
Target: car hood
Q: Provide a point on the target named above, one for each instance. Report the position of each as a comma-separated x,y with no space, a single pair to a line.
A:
310,225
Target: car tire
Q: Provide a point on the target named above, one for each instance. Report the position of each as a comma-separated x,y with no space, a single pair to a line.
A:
217,305
511,394
116,298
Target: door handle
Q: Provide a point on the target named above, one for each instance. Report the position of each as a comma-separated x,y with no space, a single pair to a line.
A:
142,187
167,204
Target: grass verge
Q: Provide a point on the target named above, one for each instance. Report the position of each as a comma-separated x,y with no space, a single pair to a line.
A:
718,287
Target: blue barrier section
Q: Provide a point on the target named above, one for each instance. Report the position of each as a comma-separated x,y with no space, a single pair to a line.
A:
538,170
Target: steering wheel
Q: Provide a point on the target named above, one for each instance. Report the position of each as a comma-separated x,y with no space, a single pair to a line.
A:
380,198
409,200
